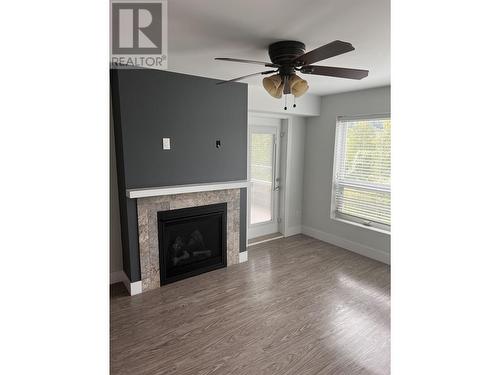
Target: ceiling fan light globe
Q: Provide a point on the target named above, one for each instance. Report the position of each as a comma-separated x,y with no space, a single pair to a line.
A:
273,85
300,88
279,91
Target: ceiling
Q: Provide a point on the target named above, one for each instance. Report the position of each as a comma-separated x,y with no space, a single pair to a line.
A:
199,30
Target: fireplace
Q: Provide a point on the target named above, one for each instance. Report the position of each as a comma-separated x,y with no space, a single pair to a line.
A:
191,241
149,230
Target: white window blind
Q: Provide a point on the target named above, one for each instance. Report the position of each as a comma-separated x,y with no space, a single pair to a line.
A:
362,170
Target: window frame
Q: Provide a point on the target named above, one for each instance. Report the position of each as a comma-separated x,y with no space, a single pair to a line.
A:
346,218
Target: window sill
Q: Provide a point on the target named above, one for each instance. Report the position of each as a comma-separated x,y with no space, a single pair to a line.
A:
374,229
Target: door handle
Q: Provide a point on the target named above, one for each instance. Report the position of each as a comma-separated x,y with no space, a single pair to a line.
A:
276,187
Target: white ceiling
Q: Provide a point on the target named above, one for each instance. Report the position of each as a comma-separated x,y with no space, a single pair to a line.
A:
199,30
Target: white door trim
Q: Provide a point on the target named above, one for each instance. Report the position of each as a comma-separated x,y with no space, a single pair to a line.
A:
271,125
284,208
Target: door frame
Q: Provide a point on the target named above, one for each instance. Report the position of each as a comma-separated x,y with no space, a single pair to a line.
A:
286,140
268,125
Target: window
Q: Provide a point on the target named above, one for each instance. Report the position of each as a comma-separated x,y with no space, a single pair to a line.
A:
362,171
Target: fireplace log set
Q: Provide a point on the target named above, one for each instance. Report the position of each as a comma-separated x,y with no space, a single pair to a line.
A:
183,250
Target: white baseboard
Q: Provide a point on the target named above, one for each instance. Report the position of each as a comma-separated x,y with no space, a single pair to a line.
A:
243,256
356,247
264,241
292,231
121,277
134,288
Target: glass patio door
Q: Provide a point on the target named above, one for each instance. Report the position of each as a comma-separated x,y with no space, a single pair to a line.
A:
264,178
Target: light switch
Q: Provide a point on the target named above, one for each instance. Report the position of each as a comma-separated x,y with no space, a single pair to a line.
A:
166,143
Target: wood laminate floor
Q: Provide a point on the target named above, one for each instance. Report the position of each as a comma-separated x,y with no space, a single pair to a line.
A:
298,306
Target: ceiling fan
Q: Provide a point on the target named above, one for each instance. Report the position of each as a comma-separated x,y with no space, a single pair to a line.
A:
288,57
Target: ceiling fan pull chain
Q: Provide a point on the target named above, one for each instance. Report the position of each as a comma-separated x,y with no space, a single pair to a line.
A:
286,95
294,105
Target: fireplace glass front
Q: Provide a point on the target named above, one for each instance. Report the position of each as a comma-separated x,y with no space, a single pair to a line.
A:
191,241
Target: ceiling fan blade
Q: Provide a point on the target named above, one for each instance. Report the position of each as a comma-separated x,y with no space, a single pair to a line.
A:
248,75
335,48
268,64
333,71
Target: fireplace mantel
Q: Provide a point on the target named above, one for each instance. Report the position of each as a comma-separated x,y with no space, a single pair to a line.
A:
181,189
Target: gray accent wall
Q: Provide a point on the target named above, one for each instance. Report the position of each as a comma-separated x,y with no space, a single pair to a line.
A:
115,242
318,166
194,113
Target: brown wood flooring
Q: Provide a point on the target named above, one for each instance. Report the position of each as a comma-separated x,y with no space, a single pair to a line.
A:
298,306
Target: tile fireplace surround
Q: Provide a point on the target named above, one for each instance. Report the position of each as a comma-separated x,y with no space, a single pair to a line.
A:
147,209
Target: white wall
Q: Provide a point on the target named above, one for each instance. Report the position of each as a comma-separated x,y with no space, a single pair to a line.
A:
318,170
295,133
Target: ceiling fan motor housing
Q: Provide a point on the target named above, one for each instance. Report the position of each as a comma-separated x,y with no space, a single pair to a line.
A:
285,52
